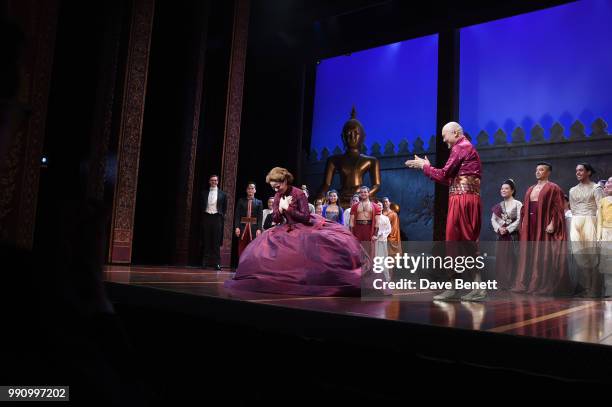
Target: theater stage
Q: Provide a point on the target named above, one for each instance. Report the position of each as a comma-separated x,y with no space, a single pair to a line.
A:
507,332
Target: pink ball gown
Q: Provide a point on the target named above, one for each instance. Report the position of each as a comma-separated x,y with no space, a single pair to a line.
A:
308,255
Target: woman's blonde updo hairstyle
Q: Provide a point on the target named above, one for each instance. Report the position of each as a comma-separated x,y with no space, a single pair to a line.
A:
279,174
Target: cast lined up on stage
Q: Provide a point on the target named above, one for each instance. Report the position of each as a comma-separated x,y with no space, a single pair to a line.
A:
549,244
560,251
306,255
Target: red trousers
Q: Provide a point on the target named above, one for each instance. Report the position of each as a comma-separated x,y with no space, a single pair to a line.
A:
463,221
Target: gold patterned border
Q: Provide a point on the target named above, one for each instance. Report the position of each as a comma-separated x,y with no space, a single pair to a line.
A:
130,133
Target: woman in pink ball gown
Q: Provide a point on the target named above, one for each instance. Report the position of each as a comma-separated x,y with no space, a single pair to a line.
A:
307,255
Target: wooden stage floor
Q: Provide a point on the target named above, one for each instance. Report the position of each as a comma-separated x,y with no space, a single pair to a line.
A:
576,320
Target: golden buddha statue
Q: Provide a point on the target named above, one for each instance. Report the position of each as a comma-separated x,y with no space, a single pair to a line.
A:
352,165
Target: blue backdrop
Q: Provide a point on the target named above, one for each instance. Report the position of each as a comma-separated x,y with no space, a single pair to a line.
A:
393,88
541,67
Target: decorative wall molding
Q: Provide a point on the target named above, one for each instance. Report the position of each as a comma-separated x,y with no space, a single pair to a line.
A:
599,129
233,112
135,86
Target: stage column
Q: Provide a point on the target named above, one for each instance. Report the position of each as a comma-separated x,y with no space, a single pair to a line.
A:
448,110
132,111
233,111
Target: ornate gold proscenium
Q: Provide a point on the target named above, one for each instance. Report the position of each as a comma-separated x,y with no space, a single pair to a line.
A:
352,165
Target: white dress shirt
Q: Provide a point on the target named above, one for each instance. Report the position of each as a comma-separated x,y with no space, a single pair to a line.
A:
265,213
211,208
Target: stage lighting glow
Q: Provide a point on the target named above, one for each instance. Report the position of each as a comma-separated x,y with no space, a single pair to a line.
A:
393,89
538,68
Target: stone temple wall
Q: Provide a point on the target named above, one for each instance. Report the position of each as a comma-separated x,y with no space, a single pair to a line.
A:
502,157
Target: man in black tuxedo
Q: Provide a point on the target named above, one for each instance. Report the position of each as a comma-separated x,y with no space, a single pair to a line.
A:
214,205
248,218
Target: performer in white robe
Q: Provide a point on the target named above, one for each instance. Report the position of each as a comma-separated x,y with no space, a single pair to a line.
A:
584,201
384,229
